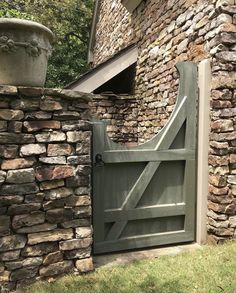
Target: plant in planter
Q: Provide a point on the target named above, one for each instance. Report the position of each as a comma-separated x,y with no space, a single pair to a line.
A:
25,47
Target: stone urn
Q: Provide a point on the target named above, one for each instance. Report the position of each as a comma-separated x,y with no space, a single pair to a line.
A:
25,47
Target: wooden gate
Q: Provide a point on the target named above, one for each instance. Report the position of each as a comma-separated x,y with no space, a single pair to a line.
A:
146,195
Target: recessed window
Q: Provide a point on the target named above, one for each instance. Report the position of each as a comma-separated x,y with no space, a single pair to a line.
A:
122,83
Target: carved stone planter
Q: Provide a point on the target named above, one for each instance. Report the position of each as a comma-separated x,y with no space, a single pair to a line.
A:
24,50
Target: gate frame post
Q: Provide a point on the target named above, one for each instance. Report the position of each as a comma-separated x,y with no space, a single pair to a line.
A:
204,79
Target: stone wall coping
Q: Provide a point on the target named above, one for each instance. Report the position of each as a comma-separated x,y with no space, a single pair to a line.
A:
38,91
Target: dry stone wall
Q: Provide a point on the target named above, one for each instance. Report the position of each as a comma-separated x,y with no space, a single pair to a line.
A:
45,191
120,114
166,32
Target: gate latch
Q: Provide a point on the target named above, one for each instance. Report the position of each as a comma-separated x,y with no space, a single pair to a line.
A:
99,161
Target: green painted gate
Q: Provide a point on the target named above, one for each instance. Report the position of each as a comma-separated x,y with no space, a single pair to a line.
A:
146,195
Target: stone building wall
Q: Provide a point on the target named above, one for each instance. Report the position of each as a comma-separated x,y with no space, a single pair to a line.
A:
166,32
120,114
45,166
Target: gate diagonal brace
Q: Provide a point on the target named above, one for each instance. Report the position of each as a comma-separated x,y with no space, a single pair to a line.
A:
144,179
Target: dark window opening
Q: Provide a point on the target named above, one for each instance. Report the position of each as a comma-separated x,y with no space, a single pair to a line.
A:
123,83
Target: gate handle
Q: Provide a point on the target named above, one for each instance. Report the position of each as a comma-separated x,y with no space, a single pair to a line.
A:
99,161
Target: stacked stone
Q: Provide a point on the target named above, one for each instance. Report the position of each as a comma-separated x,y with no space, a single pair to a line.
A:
45,203
167,32
120,114
222,157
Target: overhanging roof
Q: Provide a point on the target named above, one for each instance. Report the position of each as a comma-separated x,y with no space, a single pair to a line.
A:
99,75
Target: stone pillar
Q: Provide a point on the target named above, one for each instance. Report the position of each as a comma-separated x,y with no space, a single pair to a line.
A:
45,203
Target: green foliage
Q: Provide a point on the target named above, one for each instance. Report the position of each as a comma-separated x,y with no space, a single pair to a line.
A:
70,21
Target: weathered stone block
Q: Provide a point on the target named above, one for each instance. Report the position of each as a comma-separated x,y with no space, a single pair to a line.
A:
53,160
28,219
78,136
83,232
84,265
32,126
34,198
79,160
75,244
15,126
67,115
47,185
77,181
82,191
84,170
20,176
44,173
8,151
218,160
227,56
57,269
82,200
222,125
216,180
17,164
64,149
59,215
2,177
12,242
37,228
220,231
19,189
78,253
32,149
25,104
40,249
83,148
52,136
231,179
24,273
217,216
4,277
6,114
16,138
8,90
10,199
53,257
4,225
50,105
56,235
38,115
75,125
58,193
76,223
31,261
227,81
10,255
3,126
82,212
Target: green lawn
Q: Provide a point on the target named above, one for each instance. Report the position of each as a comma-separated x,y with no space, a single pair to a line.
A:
211,269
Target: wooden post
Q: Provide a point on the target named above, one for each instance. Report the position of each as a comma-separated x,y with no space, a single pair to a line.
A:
204,76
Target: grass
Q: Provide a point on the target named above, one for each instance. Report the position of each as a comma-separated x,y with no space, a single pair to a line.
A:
211,269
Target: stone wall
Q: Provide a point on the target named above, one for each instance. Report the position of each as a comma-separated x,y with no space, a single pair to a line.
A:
166,32
120,114
45,203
